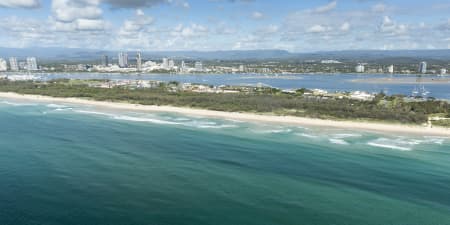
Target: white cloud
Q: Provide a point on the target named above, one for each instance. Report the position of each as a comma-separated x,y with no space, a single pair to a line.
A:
179,3
326,8
379,8
69,10
318,29
252,41
422,25
193,30
28,32
445,26
267,30
345,27
82,23
224,29
19,3
135,33
139,12
271,29
134,4
139,23
390,27
186,5
257,15
77,15
87,24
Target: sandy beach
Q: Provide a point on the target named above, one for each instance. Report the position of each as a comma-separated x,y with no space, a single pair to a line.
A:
290,120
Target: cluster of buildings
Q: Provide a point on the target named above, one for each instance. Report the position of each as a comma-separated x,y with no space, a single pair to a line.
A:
29,64
172,86
203,88
168,65
124,65
360,68
423,69
135,63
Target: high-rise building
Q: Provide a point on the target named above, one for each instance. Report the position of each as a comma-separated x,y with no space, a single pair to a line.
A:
171,64
165,63
22,65
391,69
183,68
138,61
3,65
241,68
13,64
105,60
360,68
32,64
423,67
123,60
198,66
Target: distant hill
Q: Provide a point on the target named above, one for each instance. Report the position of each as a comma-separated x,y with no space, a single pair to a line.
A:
74,54
370,55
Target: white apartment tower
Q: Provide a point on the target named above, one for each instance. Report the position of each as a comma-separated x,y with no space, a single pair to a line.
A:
139,61
32,64
165,63
391,69
13,64
423,67
123,60
183,68
360,68
3,65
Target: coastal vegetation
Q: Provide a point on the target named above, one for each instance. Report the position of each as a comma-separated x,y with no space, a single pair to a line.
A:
385,108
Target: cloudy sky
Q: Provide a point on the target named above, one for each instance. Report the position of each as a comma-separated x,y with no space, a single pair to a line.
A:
294,25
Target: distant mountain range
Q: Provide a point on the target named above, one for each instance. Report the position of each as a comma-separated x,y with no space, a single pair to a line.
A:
73,54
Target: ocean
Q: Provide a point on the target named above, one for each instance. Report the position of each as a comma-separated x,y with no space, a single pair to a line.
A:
71,164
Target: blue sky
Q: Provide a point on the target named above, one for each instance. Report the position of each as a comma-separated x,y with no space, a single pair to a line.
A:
160,25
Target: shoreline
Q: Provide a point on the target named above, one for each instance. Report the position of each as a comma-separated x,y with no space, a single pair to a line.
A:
249,117
408,80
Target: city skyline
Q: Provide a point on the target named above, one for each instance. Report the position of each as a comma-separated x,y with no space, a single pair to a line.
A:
156,25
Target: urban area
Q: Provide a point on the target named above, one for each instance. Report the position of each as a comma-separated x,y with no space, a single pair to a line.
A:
123,63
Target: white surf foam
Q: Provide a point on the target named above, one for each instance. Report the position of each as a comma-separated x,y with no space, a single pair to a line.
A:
338,141
17,104
140,119
56,106
307,135
217,126
63,109
182,119
435,140
94,113
235,121
273,131
346,135
389,146
400,143
165,120
208,125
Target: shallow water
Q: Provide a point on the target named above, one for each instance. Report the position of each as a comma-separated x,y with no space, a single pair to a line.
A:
70,164
329,82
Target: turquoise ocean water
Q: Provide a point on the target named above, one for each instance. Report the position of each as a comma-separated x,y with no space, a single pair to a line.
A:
68,164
